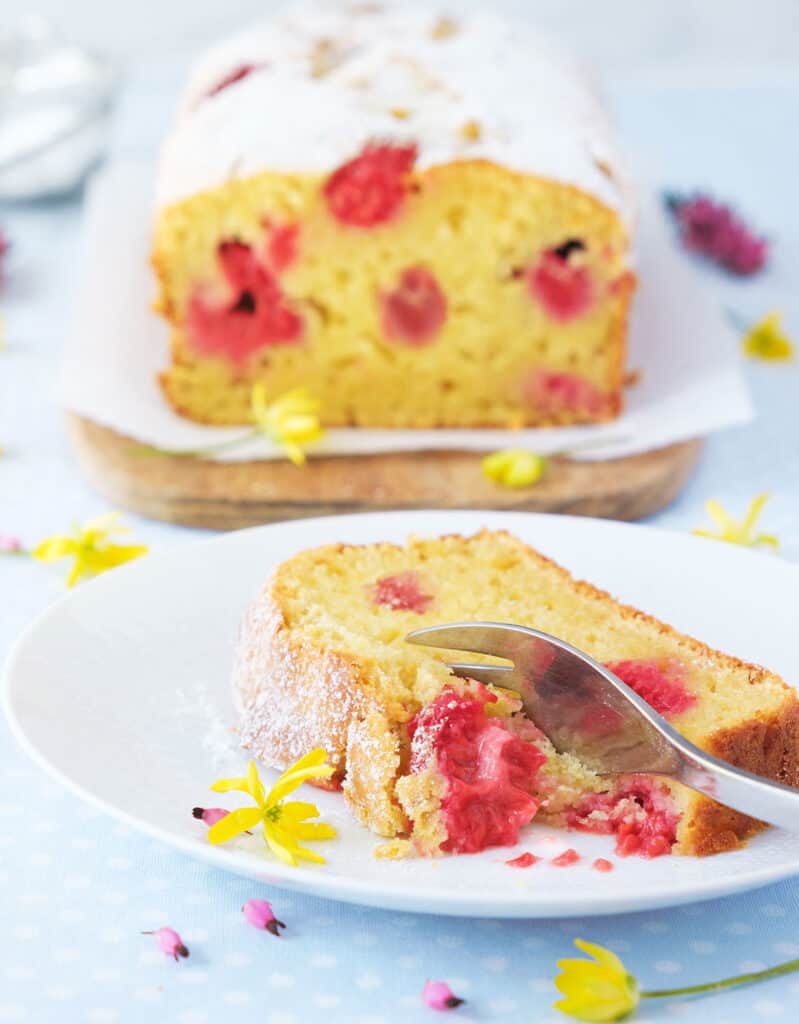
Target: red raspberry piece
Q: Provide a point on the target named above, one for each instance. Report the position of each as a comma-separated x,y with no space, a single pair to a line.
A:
554,391
257,316
370,188
402,592
565,291
566,859
282,246
659,683
415,310
524,860
236,75
600,864
641,819
489,772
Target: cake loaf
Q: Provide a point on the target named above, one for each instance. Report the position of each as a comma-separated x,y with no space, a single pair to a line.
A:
420,218
453,765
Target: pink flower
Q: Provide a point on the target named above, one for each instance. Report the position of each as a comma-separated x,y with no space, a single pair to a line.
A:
9,545
259,914
210,815
715,231
439,996
169,942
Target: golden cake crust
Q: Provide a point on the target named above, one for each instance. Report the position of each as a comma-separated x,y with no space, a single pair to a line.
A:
293,692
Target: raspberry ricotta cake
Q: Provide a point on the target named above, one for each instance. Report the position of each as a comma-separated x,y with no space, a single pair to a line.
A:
453,765
355,196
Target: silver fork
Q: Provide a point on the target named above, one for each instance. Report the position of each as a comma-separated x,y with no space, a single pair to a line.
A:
586,710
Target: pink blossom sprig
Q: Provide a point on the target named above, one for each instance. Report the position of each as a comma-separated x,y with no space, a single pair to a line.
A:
209,815
11,545
169,942
259,914
439,996
714,230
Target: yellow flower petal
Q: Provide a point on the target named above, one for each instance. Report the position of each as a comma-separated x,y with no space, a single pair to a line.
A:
315,757
314,830
297,811
286,783
277,847
108,522
227,785
110,557
598,989
78,569
718,515
292,419
234,824
754,511
766,340
90,547
593,1011
254,785
284,824
734,532
514,467
602,955
290,781
53,548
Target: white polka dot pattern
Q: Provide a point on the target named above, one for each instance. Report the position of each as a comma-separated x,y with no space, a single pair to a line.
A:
79,957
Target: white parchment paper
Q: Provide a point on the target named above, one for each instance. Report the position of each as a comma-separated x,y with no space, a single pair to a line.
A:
691,382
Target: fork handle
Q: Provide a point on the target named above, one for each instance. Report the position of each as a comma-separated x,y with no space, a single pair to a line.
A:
751,794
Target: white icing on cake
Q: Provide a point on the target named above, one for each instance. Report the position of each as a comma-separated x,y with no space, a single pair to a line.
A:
535,106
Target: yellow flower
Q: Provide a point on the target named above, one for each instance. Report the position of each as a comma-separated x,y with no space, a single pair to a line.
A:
91,548
767,340
596,990
738,533
292,419
284,824
514,467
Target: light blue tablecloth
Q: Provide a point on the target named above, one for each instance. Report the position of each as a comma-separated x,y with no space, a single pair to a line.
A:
76,889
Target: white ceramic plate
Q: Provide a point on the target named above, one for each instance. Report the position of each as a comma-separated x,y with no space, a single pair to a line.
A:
120,690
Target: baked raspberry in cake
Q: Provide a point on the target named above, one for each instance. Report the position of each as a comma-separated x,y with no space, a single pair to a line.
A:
452,765
353,198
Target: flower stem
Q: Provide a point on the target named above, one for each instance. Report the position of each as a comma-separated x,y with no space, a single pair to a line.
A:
712,986
194,453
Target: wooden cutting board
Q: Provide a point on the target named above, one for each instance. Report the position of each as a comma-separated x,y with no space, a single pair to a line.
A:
227,496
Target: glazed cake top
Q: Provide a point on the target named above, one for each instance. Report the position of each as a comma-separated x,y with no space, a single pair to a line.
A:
309,88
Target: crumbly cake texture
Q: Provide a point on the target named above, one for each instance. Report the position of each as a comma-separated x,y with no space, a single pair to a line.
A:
322,661
356,197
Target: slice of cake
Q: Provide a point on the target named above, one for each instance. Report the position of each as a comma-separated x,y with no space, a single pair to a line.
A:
454,765
421,219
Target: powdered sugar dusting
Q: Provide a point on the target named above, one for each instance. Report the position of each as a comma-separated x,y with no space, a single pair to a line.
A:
199,713
535,106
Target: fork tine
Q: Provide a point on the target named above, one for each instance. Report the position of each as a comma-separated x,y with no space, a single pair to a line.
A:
493,675
476,637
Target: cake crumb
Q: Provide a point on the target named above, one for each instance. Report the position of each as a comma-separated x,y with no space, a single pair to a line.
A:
471,131
401,113
396,849
633,378
324,57
444,28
